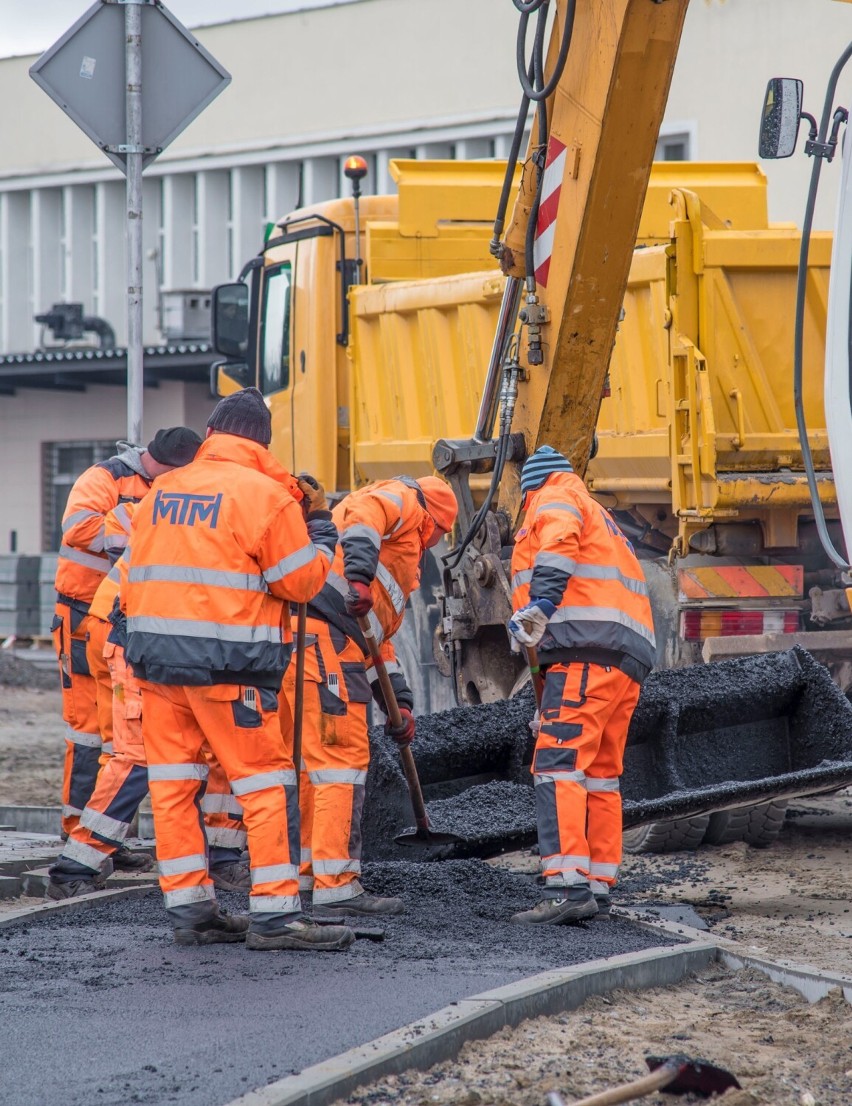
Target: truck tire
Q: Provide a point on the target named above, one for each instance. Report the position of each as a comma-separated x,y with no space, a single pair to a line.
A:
667,837
756,825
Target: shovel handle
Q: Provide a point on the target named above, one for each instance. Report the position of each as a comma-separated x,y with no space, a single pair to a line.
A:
395,719
656,1081
535,672
299,702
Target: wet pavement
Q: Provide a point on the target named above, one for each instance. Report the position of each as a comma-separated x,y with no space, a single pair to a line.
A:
100,1007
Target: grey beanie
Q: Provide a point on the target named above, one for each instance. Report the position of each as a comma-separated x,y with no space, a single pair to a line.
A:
245,414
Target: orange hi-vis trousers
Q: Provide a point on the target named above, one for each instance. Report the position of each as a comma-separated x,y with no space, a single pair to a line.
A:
96,645
70,629
240,724
578,760
123,783
335,759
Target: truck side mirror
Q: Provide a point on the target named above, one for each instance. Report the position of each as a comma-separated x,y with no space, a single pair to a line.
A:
227,377
782,111
231,319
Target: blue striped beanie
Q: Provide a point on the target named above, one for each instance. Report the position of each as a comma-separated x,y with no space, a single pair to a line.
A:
545,461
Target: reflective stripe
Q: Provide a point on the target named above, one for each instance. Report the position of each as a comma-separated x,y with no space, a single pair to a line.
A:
521,578
283,777
108,749
602,614
360,530
337,894
560,507
556,777
225,838
189,895
114,575
186,627
218,803
392,496
87,560
376,627
291,563
274,904
555,560
104,825
306,883
194,862
336,867
86,855
78,516
91,740
602,784
383,575
390,667
597,887
161,772
70,811
564,862
606,871
115,542
338,775
305,856
609,572
272,873
569,878
121,514
326,552
186,574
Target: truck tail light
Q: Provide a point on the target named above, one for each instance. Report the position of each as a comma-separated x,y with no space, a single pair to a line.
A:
696,625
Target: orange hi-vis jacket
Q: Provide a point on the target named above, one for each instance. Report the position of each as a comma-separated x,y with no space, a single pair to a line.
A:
83,560
116,535
383,528
570,551
217,550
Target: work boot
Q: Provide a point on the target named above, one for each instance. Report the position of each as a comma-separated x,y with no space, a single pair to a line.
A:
234,875
576,905
298,934
362,905
604,905
215,929
73,888
130,860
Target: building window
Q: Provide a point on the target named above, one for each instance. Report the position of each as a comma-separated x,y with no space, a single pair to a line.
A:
62,463
674,147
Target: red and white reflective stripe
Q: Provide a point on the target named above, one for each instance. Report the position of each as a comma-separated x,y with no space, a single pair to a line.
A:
551,189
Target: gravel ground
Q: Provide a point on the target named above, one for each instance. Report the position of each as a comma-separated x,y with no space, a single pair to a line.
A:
783,1051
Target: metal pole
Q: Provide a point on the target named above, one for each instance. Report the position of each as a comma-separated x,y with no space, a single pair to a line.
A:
133,54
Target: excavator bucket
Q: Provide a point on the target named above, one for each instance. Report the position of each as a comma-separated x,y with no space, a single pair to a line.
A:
703,738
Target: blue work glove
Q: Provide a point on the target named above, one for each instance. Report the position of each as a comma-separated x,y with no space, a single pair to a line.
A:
527,625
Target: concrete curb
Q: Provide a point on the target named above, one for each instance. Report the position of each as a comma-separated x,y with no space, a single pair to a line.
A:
440,1036
81,902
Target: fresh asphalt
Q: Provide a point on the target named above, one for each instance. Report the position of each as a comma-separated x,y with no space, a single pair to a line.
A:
100,1007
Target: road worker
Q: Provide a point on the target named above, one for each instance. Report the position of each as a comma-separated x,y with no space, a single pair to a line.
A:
78,638
123,779
384,530
217,552
580,599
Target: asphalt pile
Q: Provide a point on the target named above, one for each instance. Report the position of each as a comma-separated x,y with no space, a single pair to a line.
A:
15,672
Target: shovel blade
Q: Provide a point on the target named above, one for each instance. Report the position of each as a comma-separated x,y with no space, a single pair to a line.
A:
693,1076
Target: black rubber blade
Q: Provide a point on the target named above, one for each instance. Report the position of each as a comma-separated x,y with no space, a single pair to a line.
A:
693,1076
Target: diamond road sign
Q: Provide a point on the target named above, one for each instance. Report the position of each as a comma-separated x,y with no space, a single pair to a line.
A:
84,72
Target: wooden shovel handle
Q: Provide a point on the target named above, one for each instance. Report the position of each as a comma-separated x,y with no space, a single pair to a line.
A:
299,702
535,672
637,1089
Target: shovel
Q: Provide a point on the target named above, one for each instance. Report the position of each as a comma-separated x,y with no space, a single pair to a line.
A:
424,834
299,703
672,1074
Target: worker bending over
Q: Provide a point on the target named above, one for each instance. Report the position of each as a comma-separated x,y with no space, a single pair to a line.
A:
384,530
580,597
79,639
217,552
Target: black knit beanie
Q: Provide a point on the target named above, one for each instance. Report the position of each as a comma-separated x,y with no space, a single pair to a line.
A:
245,414
176,446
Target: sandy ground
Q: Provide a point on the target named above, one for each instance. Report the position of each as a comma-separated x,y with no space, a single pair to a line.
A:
783,1051
31,746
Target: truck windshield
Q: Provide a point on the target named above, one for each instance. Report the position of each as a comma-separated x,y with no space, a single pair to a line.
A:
275,341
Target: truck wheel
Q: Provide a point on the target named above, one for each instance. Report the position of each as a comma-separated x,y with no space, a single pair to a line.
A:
756,825
667,837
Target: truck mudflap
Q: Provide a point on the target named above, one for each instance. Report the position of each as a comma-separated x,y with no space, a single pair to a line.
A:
704,738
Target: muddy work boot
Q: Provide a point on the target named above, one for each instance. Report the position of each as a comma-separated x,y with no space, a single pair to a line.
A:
72,889
298,934
362,905
233,875
577,905
214,929
131,860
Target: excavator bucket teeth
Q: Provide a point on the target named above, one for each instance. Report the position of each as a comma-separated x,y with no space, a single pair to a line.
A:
703,738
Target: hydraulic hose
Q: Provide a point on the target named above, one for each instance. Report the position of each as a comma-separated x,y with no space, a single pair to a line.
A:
801,288
538,92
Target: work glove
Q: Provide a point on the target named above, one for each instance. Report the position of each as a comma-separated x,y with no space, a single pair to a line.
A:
359,599
313,492
535,724
404,735
527,625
